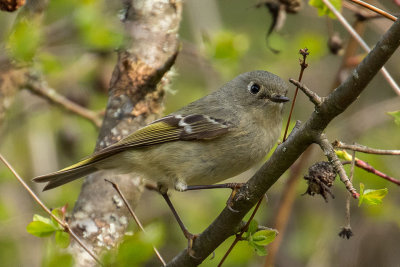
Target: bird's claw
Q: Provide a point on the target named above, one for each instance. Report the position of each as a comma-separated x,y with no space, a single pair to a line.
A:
235,187
190,237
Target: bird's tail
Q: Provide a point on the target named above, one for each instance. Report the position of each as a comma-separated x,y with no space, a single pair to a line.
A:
67,175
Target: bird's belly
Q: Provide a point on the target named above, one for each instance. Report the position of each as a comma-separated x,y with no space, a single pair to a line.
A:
201,162
198,162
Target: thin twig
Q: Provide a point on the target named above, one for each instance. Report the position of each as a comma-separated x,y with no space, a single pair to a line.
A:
366,167
115,186
346,231
63,224
365,149
240,234
353,163
362,43
303,65
374,9
314,98
329,152
40,88
363,14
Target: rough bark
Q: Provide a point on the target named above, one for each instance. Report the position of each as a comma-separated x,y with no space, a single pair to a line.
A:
135,99
287,153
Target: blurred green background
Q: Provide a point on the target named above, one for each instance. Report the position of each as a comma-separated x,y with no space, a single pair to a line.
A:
75,50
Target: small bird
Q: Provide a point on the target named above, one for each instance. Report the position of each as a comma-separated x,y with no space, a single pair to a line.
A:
214,138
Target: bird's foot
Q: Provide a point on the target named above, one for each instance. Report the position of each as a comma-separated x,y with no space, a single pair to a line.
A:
191,238
235,188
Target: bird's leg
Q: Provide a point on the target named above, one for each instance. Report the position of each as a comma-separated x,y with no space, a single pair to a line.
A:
189,236
234,186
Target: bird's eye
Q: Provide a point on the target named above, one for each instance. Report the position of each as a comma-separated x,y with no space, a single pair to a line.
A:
254,88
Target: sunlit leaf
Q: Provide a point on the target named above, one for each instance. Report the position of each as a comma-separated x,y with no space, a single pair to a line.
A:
39,218
371,196
264,237
323,9
342,154
41,229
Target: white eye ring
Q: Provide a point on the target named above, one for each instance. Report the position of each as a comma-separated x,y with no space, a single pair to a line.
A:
254,88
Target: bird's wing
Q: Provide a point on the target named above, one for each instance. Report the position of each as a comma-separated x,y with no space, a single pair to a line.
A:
166,129
173,128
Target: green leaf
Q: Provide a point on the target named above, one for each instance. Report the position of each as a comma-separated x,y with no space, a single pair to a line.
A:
342,154
39,218
41,229
371,196
323,9
396,116
253,226
62,239
260,250
264,237
58,213
25,40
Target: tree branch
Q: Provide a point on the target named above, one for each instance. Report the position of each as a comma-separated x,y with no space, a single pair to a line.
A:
374,9
365,149
286,154
314,98
337,165
39,87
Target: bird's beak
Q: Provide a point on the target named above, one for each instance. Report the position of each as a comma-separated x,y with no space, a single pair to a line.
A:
279,99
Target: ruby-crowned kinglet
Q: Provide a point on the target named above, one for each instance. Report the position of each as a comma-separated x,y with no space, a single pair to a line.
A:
214,138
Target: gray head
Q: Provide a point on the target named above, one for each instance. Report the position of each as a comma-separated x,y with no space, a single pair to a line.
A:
257,88
253,91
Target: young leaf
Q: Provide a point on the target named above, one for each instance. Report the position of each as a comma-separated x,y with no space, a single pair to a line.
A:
260,250
58,213
39,218
323,9
41,229
396,116
371,196
342,154
253,226
264,237
62,239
